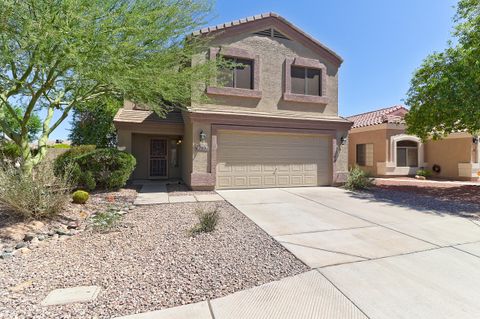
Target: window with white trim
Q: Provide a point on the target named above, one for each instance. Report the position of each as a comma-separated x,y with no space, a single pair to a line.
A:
407,154
364,154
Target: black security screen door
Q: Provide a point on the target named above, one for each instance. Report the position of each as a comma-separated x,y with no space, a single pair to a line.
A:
158,158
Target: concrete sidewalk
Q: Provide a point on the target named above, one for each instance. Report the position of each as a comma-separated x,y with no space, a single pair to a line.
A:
307,296
156,193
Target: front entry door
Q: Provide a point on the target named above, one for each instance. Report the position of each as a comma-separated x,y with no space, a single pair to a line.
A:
158,158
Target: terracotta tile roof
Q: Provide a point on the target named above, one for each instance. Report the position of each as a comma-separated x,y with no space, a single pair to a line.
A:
231,24
394,114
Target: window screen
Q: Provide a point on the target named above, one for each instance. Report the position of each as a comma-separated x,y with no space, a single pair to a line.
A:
361,154
240,76
305,81
298,80
313,82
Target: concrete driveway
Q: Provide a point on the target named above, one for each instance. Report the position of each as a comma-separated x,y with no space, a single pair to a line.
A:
384,260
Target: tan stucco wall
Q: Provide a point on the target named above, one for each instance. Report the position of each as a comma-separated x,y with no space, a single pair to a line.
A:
141,151
376,137
273,53
341,157
448,153
187,153
124,140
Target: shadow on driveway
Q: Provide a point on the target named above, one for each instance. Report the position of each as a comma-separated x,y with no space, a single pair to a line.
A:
458,200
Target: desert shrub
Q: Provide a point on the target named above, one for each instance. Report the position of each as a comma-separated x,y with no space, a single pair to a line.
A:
207,221
424,172
80,197
106,219
106,168
358,179
66,158
36,195
9,151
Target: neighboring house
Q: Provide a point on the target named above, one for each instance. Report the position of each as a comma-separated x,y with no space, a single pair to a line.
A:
378,144
271,123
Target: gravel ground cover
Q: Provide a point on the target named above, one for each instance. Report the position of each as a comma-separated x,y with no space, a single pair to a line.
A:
147,262
439,190
180,189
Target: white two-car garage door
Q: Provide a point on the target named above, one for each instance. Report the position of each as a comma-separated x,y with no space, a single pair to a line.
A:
260,160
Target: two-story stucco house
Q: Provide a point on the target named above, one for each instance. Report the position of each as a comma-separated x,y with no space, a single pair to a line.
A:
271,122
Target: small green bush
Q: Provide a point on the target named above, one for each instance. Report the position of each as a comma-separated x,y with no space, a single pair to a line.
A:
424,172
106,168
358,179
80,197
106,219
207,221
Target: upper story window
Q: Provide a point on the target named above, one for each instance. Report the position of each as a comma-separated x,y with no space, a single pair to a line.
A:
306,81
240,76
242,79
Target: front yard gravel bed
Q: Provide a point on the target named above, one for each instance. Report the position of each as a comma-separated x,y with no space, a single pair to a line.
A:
429,202
148,262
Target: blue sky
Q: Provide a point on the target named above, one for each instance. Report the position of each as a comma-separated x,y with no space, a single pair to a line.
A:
382,42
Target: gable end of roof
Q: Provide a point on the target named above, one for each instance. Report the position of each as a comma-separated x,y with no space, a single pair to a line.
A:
228,27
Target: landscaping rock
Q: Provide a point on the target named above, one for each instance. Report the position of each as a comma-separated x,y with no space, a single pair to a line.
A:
22,251
25,250
62,232
73,225
6,255
41,237
28,237
20,245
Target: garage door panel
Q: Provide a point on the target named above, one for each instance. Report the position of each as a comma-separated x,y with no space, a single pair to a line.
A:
297,180
255,168
240,181
256,160
269,181
224,181
255,181
283,180
222,167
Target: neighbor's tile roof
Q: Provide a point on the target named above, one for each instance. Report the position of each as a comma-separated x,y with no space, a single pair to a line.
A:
228,25
394,114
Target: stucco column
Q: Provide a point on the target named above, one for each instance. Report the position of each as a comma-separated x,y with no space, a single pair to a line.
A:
124,140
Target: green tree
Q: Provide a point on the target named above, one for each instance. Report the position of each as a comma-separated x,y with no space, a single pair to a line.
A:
92,123
57,54
444,95
34,124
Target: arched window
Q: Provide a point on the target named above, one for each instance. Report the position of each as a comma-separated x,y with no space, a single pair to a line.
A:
407,154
